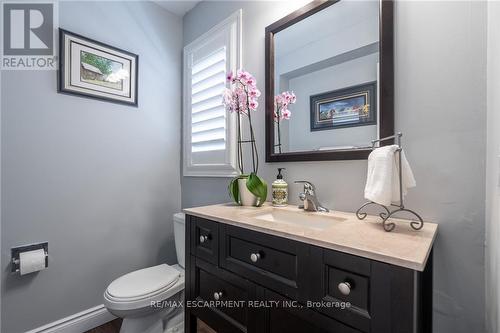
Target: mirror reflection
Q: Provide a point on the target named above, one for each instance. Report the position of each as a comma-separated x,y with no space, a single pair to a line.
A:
326,81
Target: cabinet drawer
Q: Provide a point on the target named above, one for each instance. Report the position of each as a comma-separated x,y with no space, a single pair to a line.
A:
205,239
222,295
278,263
344,278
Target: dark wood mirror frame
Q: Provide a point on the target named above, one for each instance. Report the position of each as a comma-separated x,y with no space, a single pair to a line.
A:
386,83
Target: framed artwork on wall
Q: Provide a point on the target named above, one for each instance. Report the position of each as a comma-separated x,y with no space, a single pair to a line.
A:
346,107
92,69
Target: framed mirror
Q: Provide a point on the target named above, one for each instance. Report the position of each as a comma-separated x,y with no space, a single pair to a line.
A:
337,59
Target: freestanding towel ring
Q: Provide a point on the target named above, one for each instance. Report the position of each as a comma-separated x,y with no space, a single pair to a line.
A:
387,213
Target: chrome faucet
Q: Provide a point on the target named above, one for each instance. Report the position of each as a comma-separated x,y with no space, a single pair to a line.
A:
309,198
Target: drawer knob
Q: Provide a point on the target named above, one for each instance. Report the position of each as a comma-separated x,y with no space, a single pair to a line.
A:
218,295
203,238
344,288
254,257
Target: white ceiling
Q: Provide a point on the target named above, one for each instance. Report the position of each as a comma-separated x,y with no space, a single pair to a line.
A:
178,8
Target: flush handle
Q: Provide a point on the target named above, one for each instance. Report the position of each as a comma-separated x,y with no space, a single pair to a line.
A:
218,295
203,238
254,257
344,288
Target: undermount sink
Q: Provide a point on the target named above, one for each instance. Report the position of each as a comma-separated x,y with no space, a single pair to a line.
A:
311,220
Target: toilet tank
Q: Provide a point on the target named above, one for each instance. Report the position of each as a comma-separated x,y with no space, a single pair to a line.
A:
179,231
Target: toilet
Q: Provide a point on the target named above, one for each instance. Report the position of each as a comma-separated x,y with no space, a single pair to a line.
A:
149,299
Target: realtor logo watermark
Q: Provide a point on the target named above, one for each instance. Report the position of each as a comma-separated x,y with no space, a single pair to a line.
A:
28,32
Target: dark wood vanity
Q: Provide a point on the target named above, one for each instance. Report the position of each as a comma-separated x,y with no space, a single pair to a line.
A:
275,284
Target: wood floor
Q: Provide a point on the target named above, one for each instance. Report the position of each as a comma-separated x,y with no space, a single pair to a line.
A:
111,327
201,327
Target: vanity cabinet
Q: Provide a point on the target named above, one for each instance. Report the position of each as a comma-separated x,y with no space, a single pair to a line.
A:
269,284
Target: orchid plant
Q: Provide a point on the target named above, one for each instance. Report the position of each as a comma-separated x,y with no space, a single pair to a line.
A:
242,98
281,112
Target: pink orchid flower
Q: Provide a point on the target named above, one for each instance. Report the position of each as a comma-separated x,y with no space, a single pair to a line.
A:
253,105
243,94
282,101
255,93
286,114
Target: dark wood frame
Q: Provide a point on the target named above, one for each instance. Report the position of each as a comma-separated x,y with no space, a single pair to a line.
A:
386,83
61,72
371,99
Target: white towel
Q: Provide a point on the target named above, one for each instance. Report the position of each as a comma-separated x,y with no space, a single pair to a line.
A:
382,180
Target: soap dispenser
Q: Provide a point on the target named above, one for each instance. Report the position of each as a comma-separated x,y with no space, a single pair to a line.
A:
280,190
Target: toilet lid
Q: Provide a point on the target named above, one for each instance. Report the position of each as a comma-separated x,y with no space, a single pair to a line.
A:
144,281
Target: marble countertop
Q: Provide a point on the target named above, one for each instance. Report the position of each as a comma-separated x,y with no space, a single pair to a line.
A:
403,246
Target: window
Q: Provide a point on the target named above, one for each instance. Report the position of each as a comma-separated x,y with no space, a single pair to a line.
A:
209,130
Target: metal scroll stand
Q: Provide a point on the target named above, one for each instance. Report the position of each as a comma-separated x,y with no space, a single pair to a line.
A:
386,214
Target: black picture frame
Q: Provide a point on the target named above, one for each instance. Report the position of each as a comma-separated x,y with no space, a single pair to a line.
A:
365,93
385,82
64,73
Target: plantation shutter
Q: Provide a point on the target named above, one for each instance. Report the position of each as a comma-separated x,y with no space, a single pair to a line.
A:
209,138
208,115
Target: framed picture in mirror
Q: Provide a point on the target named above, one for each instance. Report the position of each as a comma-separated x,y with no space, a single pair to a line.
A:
335,58
343,108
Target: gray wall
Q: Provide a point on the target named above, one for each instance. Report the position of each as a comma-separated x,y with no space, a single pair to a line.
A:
493,171
440,68
98,181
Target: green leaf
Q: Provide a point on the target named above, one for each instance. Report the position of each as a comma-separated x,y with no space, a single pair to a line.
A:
234,191
258,187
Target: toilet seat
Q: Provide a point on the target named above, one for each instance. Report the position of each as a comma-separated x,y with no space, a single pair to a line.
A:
143,287
143,282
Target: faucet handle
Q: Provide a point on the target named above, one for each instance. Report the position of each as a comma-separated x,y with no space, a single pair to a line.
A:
308,186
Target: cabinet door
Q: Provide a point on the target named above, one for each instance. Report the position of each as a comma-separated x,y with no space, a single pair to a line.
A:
219,299
382,297
204,239
285,315
343,278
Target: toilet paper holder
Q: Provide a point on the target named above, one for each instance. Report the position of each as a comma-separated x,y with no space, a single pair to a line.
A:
15,251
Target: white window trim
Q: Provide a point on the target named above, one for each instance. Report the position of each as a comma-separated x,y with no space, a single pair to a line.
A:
233,26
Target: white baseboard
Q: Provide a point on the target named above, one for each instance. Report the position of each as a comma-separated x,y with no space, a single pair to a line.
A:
79,322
